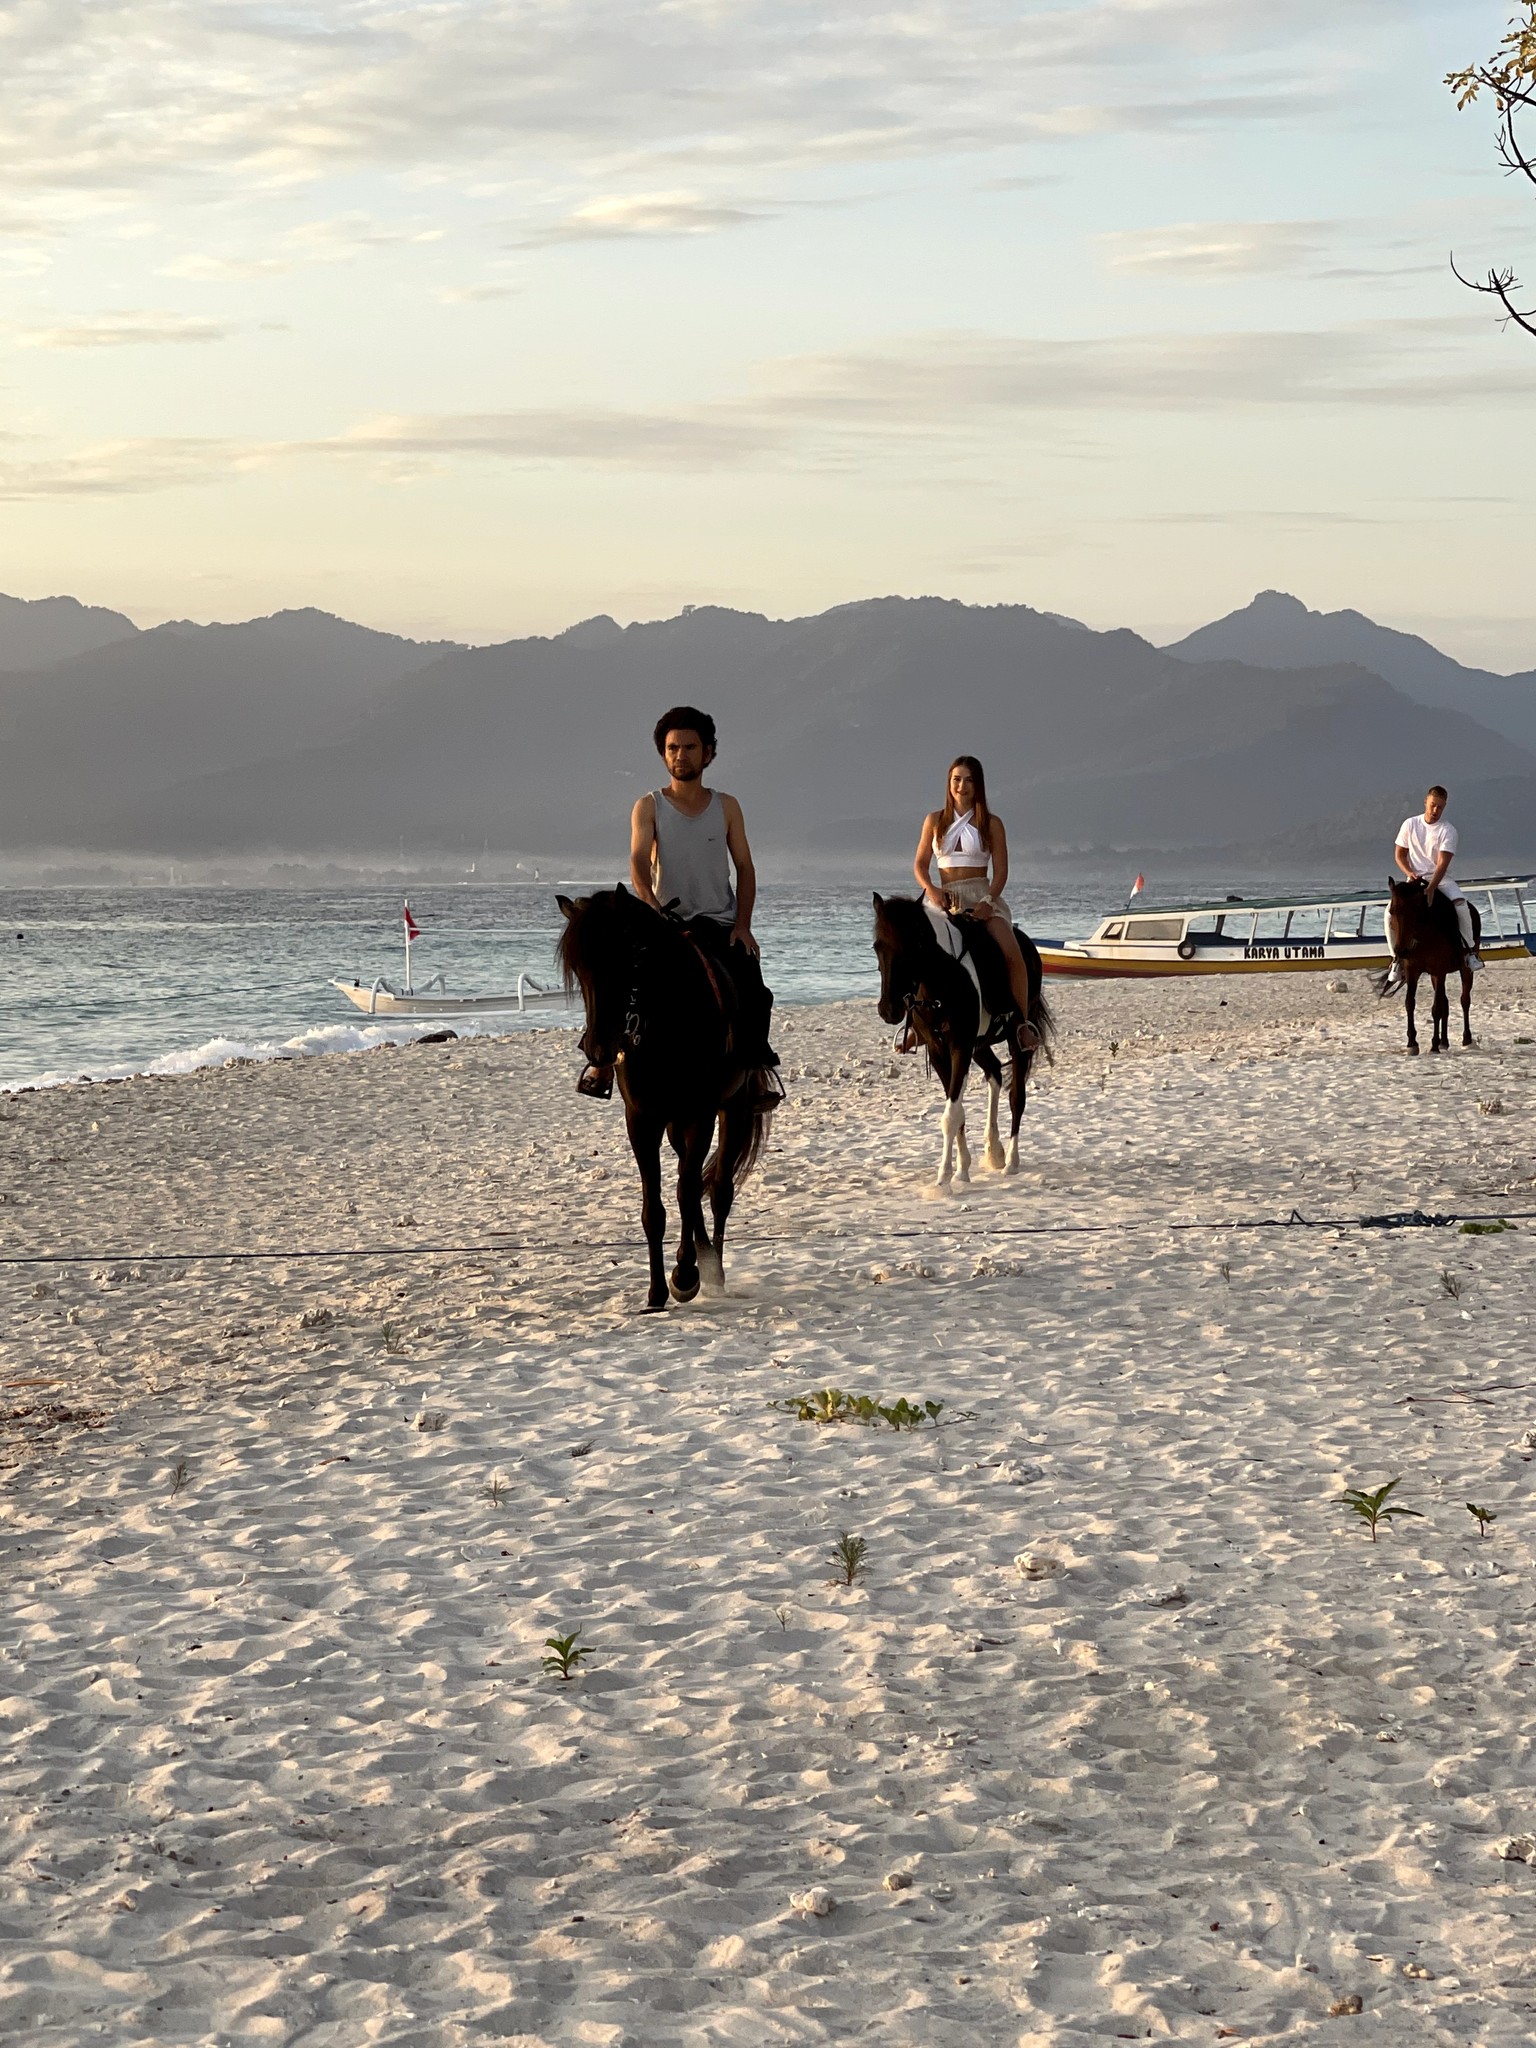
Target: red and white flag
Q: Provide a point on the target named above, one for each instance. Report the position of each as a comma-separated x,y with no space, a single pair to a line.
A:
1136,888
412,928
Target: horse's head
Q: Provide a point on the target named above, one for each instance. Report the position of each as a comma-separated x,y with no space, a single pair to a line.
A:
902,936
598,952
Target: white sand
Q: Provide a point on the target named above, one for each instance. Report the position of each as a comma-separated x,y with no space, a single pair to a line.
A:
277,1761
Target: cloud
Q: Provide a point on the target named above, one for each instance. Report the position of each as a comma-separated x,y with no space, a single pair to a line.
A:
123,94
645,214
121,330
113,468
337,240
965,398
1216,249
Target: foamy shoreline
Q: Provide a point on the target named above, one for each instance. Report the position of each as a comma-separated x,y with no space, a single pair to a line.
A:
277,1759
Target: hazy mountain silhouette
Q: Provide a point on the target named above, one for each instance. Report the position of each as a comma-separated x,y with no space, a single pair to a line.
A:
1278,631
836,731
36,632
104,733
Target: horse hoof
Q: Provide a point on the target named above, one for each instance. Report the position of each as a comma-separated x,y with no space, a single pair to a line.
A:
712,1274
1412,1051
997,1158
653,1307
684,1290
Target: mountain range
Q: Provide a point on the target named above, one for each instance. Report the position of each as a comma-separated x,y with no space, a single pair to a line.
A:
1275,729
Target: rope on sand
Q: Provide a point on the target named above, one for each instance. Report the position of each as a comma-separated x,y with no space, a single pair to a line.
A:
1405,1219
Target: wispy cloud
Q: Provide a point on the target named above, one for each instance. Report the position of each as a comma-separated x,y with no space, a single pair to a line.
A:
957,396
121,330
126,93
1216,249
620,218
337,240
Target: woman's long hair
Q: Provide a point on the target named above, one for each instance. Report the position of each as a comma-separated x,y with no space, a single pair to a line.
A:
981,816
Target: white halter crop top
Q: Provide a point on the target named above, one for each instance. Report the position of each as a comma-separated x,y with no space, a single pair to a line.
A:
962,845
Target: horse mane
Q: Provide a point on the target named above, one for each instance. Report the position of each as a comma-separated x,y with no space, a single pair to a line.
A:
597,930
909,923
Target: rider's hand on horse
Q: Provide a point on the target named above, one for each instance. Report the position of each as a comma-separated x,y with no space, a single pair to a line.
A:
741,935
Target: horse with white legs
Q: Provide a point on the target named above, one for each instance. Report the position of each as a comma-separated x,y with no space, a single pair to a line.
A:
959,1016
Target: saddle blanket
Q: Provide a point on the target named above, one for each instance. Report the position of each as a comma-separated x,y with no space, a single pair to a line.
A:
952,941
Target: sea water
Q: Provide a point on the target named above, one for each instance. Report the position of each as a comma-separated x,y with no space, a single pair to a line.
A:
96,983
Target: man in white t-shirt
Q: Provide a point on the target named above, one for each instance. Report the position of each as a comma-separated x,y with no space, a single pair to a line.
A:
1425,848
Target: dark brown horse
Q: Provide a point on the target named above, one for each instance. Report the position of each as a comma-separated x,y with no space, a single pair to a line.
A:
1426,939
659,1013
922,985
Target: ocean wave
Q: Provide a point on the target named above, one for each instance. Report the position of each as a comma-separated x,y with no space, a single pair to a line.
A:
319,1041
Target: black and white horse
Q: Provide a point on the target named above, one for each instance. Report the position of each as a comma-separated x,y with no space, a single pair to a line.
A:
926,984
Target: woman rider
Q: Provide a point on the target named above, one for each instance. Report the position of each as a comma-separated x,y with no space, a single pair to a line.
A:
963,841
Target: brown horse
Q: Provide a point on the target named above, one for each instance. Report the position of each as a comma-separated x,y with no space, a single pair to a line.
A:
1426,939
657,1010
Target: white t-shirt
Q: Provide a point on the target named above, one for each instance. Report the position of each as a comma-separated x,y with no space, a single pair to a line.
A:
1424,843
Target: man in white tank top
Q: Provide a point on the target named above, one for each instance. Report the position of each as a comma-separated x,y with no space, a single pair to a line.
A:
685,843
1425,848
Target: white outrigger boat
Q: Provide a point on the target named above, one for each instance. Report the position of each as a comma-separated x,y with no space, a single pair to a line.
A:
379,999
1277,935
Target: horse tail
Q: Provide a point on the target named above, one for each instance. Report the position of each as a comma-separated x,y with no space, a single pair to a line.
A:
1388,982
747,1157
1041,1015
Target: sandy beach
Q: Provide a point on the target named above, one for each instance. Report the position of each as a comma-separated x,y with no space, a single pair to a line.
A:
1126,1732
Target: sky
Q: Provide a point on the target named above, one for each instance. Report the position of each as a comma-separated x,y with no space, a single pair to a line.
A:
474,318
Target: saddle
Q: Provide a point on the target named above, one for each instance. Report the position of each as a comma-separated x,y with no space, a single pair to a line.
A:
966,940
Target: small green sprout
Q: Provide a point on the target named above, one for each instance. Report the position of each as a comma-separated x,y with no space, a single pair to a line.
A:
849,1554
1451,1282
1372,1508
564,1659
1482,1516
496,1492
905,1414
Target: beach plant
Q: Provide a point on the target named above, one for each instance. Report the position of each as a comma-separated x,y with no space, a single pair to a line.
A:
563,1658
1375,1508
394,1337
1451,1282
781,1616
849,1554
178,1477
1225,1269
832,1404
496,1491
1482,1516
1495,1228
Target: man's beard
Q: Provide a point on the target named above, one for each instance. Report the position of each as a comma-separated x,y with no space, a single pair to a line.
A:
687,774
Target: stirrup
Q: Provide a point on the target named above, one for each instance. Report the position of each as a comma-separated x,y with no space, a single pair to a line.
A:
596,1082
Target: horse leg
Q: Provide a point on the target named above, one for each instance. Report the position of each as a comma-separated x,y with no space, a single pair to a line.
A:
645,1143
1466,1007
734,1135
690,1207
1439,1015
1410,997
997,1158
956,1151
1018,1088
